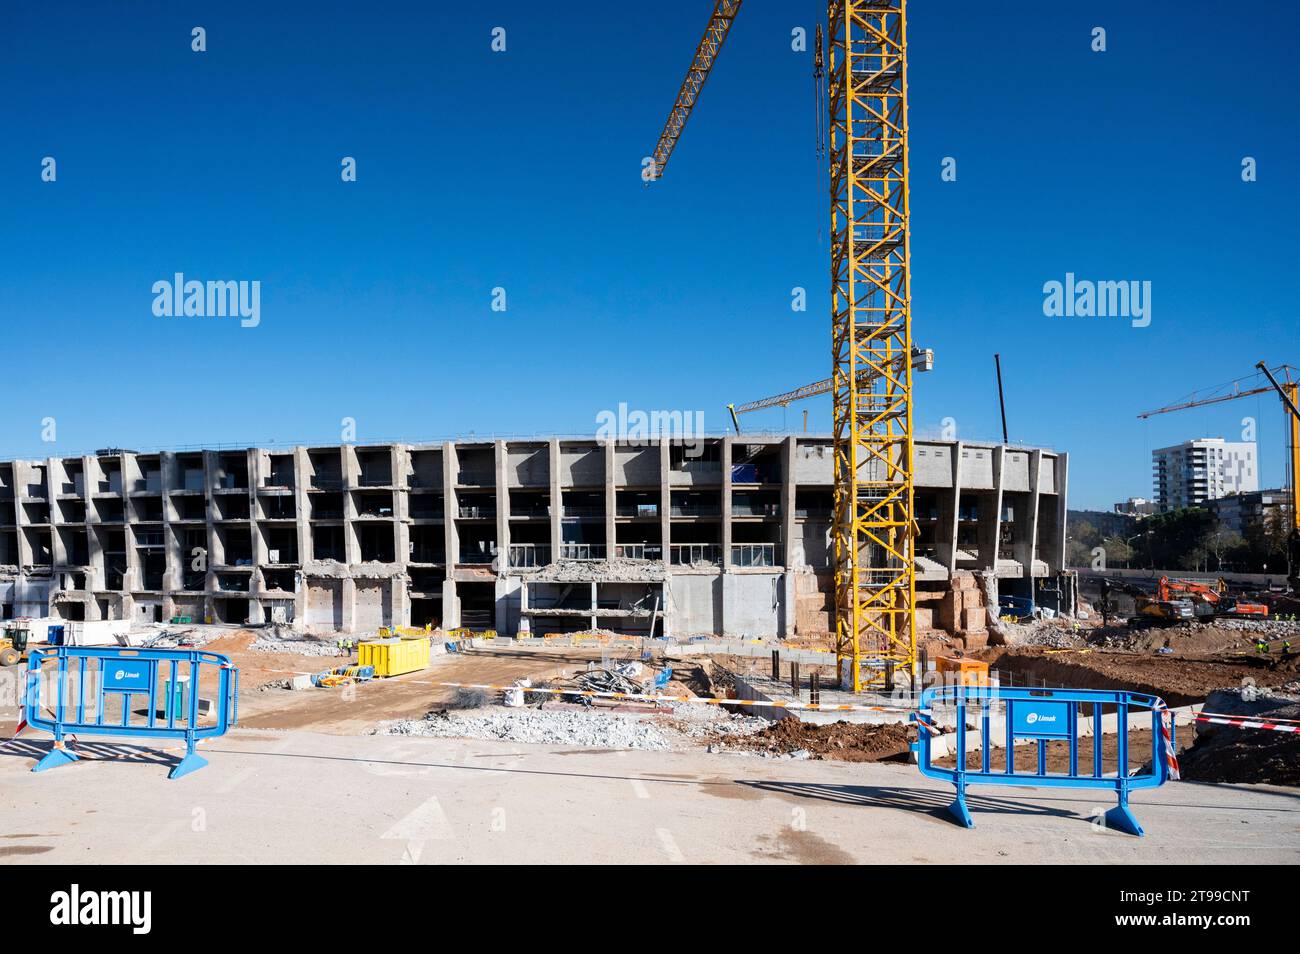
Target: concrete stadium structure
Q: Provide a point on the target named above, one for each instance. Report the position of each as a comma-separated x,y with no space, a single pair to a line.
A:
724,535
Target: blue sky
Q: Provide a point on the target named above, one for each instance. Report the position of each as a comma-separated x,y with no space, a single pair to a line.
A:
521,170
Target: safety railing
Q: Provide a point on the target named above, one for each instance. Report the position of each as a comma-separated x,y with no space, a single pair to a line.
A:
1039,718
686,554
753,554
638,551
582,551
530,554
72,691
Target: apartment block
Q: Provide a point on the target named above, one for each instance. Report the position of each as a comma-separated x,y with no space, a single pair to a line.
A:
727,535
1194,472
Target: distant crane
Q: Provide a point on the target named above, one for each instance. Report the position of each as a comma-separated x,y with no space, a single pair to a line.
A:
1289,390
865,85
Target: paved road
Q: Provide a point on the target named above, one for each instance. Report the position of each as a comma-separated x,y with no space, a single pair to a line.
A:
296,796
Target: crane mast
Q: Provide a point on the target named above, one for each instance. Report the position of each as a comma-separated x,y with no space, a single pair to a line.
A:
871,320
871,323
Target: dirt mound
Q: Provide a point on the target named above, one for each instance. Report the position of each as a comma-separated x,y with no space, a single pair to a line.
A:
1190,639
235,642
1178,680
845,741
1225,753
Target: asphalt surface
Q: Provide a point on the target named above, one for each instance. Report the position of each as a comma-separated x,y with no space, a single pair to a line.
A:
297,796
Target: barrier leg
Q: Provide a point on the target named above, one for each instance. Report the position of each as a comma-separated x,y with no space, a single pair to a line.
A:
958,807
1121,819
59,755
192,762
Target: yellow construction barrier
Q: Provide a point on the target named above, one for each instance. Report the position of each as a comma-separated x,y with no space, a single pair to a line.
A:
394,656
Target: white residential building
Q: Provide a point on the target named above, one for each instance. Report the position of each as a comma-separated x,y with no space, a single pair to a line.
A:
1197,471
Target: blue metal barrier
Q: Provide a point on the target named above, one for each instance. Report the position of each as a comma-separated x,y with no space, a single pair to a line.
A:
77,690
1039,717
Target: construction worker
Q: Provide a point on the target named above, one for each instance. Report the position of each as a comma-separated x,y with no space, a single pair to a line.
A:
1261,646
1286,647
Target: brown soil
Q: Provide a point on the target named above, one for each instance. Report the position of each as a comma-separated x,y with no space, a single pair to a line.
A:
410,696
1179,681
1058,754
844,741
1229,754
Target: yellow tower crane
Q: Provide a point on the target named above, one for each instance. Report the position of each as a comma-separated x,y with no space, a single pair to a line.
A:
871,322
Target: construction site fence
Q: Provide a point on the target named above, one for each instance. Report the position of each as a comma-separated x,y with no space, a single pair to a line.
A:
150,694
1038,718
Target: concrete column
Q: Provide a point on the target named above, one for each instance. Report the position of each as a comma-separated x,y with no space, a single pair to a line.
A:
210,528
990,527
502,462
593,604
665,500
611,501
1056,557
557,498
400,463
726,505
172,570
22,481
302,528
349,591
58,552
94,548
1026,540
792,549
351,479
949,506
451,539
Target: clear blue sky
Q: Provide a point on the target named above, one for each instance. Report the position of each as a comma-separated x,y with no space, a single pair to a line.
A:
521,170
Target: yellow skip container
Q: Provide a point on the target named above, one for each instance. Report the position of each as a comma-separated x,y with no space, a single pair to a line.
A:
394,656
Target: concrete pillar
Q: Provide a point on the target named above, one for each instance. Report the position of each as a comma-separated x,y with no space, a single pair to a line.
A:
791,547
949,507
58,551
611,501
990,526
349,591
451,539
1055,556
22,482
399,464
302,528
557,498
594,601
1035,478
172,555
726,505
665,500
351,480
502,469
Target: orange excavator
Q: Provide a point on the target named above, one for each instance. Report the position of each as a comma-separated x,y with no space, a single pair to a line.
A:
1209,598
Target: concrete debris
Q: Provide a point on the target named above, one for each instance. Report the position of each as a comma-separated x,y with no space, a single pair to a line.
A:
601,730
1048,633
605,571
282,639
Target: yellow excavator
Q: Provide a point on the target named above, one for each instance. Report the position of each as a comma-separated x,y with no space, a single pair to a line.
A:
13,642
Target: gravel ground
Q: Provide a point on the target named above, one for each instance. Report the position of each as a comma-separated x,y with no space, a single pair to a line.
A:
688,727
598,730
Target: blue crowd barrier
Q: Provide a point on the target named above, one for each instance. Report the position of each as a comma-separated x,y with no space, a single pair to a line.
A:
79,690
1039,717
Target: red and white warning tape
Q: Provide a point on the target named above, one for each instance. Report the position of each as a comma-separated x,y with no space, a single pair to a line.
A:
645,697
1274,725
1167,741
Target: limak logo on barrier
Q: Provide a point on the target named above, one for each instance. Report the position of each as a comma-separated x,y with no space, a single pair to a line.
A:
77,907
1041,718
128,675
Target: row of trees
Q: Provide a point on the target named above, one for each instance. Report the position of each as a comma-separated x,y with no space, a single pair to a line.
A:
1189,539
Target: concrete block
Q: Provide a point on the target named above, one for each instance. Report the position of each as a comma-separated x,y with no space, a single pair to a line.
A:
924,618
300,681
974,640
963,580
971,599
950,610
975,618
